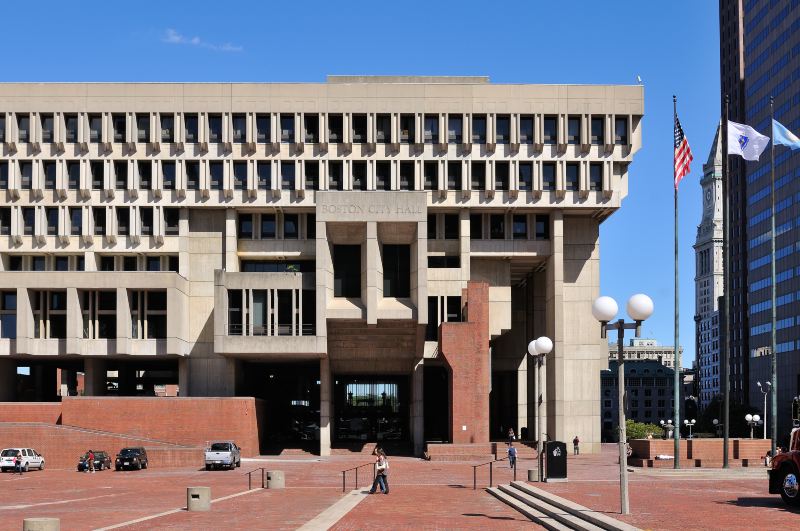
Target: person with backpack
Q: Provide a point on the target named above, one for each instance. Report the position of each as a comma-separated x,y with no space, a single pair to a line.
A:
512,456
575,448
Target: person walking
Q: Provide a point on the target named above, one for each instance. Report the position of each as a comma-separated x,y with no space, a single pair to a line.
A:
381,468
90,461
511,435
18,463
576,450
512,456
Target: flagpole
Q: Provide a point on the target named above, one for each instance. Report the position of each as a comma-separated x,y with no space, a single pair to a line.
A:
726,382
677,366
773,349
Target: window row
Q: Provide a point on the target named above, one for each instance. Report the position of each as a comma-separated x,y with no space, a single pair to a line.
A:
347,270
291,175
272,225
483,226
65,262
271,312
89,220
314,128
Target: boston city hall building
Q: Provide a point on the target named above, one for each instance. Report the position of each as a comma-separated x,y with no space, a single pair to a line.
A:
368,256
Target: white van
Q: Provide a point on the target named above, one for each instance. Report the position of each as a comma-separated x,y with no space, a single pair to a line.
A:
30,459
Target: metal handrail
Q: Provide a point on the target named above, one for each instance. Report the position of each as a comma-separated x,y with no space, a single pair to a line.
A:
250,477
491,470
284,330
344,474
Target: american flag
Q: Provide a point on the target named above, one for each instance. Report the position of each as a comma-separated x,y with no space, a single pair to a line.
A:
683,153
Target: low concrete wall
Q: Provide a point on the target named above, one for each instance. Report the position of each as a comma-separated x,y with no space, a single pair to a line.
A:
708,452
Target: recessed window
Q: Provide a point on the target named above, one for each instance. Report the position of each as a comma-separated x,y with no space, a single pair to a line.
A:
96,170
215,128
95,128
5,220
595,176
501,175
347,271
550,130
432,232
359,169
479,129
71,126
526,130
73,174
478,176
397,271
621,131
245,226
287,175
2,127
51,213
548,176
26,174
168,174
406,175
431,175
239,122
431,130
572,176
49,168
407,128
454,175
287,128
215,170
123,221
24,127
311,128
291,227
239,175
520,227
503,131
142,127
61,263
598,131
99,219
76,221
476,226
146,221
497,226
268,226
263,125
311,226
153,263
573,130
359,128
4,175
120,174
312,174
383,128
526,176
451,231
383,175
145,174
335,128
438,262
167,128
264,170
47,127
28,220
542,227
455,128
15,263
171,221
190,125
335,176
192,175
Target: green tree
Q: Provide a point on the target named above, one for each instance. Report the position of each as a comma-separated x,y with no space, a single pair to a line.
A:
640,430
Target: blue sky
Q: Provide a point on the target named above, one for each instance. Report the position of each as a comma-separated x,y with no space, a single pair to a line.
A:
672,45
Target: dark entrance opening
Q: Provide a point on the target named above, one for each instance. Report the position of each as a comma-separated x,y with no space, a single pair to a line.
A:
291,395
436,400
371,408
503,405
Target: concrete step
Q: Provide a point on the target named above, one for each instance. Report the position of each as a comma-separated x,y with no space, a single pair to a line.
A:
595,518
570,520
539,517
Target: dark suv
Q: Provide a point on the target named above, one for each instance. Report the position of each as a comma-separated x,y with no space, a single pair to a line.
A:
101,461
131,458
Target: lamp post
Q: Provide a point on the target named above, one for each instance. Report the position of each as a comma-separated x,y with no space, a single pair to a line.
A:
604,309
765,390
539,349
752,421
689,424
667,427
717,426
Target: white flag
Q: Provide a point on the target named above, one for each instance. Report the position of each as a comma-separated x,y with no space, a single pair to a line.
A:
745,141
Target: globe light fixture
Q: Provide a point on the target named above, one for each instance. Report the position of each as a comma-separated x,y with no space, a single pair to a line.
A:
640,307
532,348
543,345
604,309
539,348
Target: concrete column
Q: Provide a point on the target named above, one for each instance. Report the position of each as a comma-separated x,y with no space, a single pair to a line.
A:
522,396
183,377
8,380
94,376
325,406
231,258
554,364
373,270
126,380
417,411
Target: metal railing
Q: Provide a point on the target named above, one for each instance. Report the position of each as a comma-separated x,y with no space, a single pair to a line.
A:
491,471
305,329
344,474
250,477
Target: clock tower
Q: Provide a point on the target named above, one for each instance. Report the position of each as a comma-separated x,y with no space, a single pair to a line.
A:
708,278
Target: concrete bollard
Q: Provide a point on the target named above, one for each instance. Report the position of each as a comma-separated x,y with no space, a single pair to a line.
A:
198,498
533,475
275,479
41,524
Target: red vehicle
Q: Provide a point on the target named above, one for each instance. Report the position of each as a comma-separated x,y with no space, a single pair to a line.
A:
784,472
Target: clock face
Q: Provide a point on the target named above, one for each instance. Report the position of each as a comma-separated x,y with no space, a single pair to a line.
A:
708,196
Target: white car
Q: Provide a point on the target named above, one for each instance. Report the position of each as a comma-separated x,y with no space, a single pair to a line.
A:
30,459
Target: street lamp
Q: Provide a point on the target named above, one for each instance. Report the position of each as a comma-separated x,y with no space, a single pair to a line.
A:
752,421
667,427
717,426
539,349
765,391
689,424
604,309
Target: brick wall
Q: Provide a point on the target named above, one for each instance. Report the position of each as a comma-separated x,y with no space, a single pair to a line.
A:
46,412
62,445
707,449
188,421
465,348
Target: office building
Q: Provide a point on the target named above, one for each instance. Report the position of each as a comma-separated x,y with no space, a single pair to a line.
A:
645,349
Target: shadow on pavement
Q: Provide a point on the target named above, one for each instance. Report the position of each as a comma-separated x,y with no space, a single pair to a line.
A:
489,517
765,501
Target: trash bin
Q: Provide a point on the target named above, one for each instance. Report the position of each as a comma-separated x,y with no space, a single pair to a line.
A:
532,474
198,498
41,524
275,479
556,461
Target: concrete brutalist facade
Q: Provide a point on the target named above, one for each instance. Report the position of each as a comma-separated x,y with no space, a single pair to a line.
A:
540,258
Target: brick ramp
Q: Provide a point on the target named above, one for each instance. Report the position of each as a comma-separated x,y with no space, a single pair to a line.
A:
62,445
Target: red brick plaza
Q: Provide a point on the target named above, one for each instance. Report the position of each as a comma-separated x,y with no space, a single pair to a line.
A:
424,495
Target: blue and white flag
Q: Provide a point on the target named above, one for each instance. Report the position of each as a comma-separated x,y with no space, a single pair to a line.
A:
745,141
784,137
